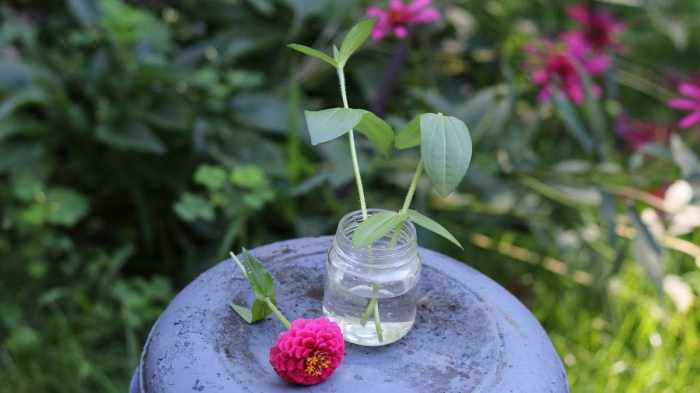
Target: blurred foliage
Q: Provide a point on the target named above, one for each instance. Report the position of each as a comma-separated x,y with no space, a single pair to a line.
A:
140,141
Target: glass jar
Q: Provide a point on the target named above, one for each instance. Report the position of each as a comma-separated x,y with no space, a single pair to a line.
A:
356,276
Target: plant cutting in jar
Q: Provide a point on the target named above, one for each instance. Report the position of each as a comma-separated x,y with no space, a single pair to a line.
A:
366,272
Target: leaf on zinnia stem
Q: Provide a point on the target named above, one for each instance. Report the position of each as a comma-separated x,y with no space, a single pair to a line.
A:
446,149
432,225
260,279
354,40
313,53
329,124
375,227
258,312
377,131
409,136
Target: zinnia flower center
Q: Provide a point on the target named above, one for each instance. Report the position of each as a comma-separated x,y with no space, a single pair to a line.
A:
316,363
598,34
560,65
398,17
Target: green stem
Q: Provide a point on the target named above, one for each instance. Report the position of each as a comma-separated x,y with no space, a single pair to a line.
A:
378,322
407,202
353,151
277,313
412,187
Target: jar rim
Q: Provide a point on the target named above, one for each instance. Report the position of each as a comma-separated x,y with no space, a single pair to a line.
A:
381,254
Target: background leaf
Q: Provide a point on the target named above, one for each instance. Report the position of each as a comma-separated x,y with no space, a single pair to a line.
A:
568,116
646,250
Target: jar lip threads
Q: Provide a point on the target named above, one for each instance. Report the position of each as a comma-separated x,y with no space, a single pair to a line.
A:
380,255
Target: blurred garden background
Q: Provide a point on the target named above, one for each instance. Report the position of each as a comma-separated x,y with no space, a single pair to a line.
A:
142,140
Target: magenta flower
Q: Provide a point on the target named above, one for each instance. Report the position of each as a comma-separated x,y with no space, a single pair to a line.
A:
690,102
554,64
400,16
639,133
600,29
308,352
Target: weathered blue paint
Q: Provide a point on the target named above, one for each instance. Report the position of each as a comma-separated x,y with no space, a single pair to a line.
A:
471,335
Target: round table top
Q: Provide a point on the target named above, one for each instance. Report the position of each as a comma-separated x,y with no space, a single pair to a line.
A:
470,334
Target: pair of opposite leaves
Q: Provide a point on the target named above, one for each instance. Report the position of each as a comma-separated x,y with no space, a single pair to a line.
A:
446,147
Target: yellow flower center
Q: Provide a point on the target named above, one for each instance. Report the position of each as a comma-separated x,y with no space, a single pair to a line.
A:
316,363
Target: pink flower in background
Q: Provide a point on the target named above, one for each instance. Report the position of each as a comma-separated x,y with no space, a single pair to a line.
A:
599,28
399,16
689,102
308,352
554,63
639,133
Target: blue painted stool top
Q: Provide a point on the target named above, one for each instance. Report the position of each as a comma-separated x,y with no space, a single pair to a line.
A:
470,335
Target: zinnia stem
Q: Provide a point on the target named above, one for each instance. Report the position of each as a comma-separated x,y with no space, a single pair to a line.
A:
353,151
277,313
407,201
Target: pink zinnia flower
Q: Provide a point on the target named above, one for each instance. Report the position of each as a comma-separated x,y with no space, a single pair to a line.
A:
639,133
691,102
600,29
554,63
399,16
308,352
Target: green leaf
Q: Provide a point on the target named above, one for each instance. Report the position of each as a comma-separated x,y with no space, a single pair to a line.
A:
329,124
86,11
684,157
592,108
19,155
431,225
409,136
313,53
377,130
258,312
375,227
192,207
446,149
131,136
354,40
244,312
249,176
259,278
210,176
646,250
65,207
266,112
567,114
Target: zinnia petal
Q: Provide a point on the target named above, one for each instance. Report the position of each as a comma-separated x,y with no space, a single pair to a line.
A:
400,32
579,13
690,120
396,5
308,352
598,64
428,15
684,103
689,90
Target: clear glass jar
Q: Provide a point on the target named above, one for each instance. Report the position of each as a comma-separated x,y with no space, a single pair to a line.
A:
354,276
